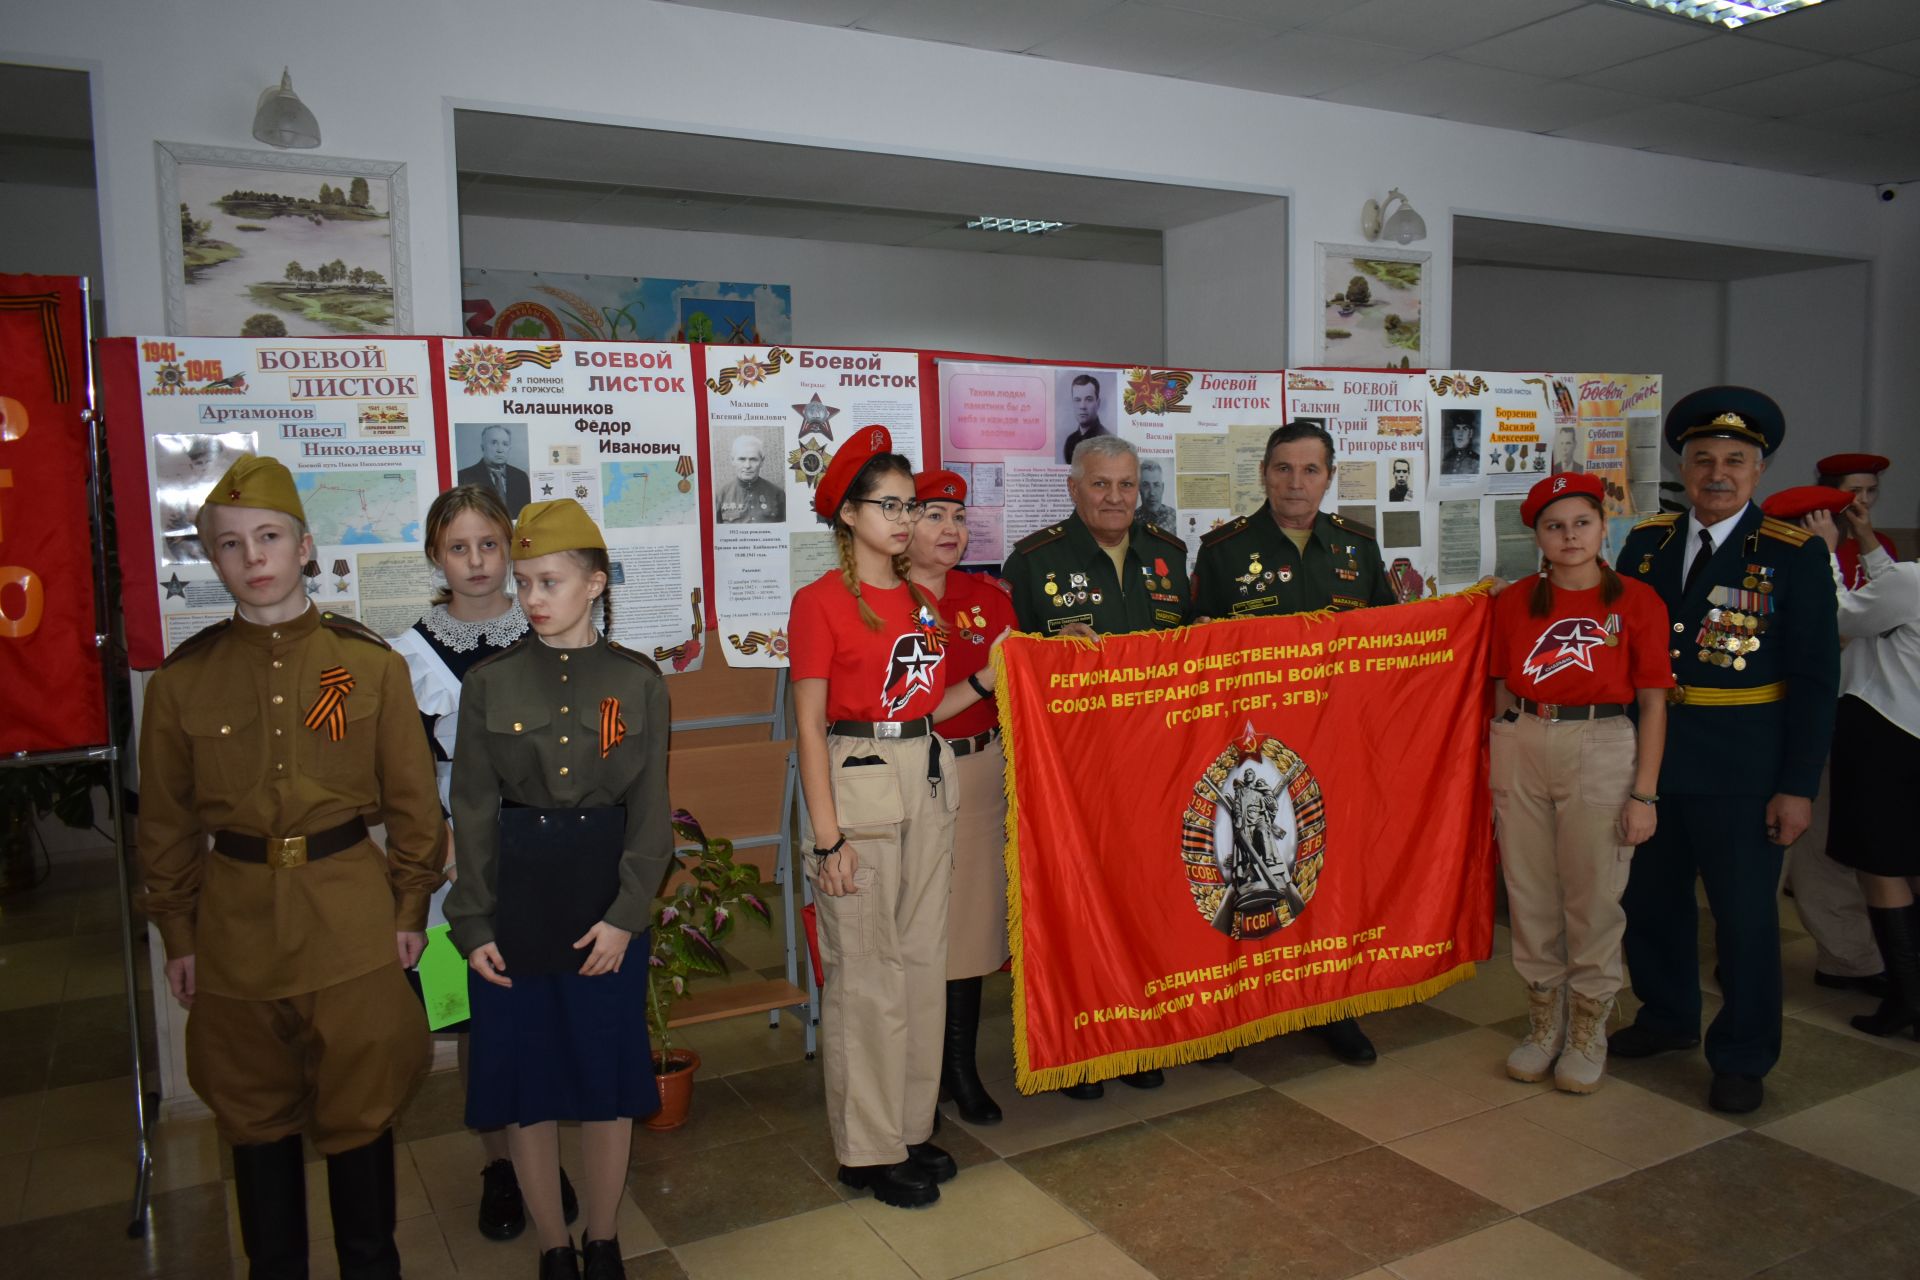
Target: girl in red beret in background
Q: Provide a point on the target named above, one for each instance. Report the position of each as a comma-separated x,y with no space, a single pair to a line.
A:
1857,474
1573,777
869,655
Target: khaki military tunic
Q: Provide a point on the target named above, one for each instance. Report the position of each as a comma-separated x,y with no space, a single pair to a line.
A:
223,747
530,732
302,1019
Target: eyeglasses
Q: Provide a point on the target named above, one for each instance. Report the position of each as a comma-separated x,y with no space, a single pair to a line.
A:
895,509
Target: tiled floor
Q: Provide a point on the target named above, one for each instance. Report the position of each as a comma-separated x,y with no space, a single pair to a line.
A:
1430,1165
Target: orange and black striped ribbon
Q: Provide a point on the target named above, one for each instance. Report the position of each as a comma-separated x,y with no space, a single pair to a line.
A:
329,708
48,307
613,730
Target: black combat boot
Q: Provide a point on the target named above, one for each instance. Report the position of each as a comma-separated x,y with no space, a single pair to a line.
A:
360,1192
270,1186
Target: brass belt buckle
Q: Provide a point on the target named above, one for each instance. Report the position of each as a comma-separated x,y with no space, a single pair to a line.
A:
284,855
1676,695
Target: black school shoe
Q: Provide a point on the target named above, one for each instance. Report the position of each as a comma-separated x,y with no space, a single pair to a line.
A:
1085,1091
560,1264
1151,1078
1736,1095
1347,1042
503,1212
904,1185
602,1260
1873,984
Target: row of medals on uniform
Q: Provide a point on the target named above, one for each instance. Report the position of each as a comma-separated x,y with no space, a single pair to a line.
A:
1078,592
1733,626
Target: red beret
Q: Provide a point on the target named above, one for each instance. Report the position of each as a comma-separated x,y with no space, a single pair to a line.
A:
1849,464
940,486
1567,484
1804,500
862,447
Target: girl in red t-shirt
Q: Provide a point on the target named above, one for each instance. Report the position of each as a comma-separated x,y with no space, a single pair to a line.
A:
1573,776
977,608
869,661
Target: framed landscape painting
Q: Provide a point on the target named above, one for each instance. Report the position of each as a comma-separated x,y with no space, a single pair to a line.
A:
1372,301
267,244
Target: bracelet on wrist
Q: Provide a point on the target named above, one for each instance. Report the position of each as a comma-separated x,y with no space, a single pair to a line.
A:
979,688
828,852
1642,798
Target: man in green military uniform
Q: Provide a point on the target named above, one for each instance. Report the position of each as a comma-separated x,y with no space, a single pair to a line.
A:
1756,653
1292,557
1097,571
282,735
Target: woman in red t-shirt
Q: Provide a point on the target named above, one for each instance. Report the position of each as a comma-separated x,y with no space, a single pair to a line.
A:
1573,775
869,660
977,608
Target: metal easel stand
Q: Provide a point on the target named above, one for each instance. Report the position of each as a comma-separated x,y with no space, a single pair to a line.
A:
111,756
776,720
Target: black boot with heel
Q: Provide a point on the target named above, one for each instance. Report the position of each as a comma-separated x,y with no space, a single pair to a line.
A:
959,1072
1897,930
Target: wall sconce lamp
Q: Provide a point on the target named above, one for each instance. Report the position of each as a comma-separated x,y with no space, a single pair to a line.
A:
1403,225
282,120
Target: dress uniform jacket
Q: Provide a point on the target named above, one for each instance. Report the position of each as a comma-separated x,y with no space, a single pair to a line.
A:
1248,567
224,746
1761,614
531,726
750,502
1060,575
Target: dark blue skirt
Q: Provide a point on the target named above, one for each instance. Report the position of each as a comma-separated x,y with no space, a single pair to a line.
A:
561,1047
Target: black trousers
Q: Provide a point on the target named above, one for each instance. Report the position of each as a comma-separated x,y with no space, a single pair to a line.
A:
1723,841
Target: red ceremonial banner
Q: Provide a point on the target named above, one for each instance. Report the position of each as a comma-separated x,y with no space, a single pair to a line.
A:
1230,831
49,665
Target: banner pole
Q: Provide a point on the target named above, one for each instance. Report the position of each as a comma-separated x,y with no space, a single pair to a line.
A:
103,640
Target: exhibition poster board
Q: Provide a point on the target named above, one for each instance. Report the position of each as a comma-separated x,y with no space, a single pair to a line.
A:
352,420
774,417
614,426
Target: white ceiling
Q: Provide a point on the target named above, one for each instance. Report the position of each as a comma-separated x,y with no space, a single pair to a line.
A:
566,171
1492,242
1831,91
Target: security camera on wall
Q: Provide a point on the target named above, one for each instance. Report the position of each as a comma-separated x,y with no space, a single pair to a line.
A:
1887,194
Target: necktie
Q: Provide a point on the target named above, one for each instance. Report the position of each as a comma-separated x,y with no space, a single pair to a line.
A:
499,475
1699,564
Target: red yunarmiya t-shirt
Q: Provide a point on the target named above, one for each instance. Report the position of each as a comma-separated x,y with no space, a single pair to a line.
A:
1565,659
977,608
896,673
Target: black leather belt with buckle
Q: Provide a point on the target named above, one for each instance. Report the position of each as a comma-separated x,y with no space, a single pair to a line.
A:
882,728
978,742
1550,711
285,852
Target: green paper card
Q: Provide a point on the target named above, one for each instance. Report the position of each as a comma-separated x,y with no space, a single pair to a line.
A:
443,980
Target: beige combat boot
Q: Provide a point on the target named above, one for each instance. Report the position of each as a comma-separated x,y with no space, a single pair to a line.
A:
1532,1059
1584,1064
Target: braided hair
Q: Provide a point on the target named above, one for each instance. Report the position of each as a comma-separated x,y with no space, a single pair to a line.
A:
594,560
864,482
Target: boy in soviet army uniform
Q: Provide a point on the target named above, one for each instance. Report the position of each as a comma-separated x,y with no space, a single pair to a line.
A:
279,736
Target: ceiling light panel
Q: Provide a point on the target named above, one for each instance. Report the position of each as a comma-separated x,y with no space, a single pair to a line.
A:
1723,13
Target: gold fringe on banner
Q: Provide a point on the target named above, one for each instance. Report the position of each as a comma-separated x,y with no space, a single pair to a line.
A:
1129,1061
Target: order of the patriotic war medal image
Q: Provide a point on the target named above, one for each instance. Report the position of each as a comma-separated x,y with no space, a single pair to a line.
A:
1253,838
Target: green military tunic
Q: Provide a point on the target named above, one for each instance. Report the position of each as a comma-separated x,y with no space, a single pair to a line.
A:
1060,575
1248,567
531,728
224,747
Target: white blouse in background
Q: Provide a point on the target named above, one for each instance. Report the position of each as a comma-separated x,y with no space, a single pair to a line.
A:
1880,620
